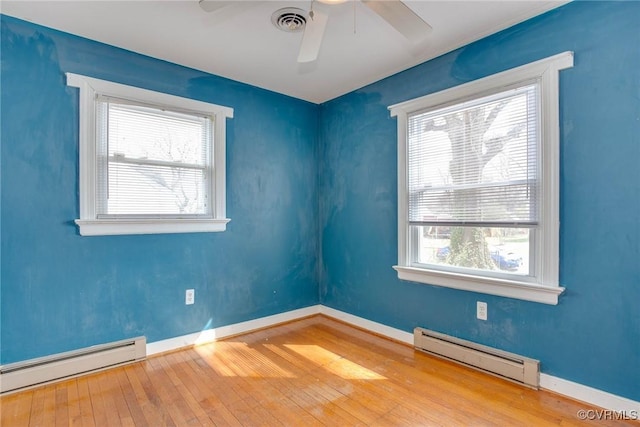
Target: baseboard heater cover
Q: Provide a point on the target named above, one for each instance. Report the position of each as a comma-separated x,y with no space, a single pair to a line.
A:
497,362
32,372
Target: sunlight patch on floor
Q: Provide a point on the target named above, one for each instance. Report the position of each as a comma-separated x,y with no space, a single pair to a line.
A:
334,363
248,362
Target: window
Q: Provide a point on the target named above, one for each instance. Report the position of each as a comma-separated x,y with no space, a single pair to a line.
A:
478,168
149,162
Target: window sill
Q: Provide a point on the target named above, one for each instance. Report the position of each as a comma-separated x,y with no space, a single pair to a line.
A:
108,227
486,285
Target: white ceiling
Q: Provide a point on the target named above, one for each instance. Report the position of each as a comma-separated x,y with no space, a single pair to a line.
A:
241,43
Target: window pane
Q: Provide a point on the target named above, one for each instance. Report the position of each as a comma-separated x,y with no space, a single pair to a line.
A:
148,133
152,161
475,161
154,190
498,250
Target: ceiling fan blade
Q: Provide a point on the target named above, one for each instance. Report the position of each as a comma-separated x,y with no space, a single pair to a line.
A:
312,37
213,5
400,17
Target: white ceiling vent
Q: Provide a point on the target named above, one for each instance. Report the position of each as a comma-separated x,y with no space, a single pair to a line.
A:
289,19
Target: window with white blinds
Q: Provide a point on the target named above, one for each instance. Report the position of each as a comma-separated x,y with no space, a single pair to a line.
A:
152,161
478,184
149,162
475,163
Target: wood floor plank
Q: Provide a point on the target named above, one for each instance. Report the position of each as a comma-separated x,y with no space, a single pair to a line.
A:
145,399
116,402
204,388
17,409
172,401
36,413
223,380
289,407
130,399
84,402
301,393
222,400
62,404
74,416
49,411
97,402
171,366
313,372
253,398
264,388
312,385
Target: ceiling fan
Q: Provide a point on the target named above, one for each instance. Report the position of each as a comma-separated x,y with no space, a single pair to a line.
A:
395,12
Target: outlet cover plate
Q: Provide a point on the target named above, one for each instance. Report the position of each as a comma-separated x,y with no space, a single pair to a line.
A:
190,296
481,310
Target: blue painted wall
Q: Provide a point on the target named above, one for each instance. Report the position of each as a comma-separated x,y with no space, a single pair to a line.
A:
61,291
593,335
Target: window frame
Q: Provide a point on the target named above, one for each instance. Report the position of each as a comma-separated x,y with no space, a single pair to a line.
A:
89,224
544,286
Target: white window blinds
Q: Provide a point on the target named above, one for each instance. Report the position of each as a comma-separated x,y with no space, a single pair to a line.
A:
476,163
151,161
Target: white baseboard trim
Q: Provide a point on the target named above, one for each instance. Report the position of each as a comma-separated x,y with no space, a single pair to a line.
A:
378,328
561,386
210,335
588,394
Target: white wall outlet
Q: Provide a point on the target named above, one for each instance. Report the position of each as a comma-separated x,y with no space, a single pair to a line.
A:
190,296
481,310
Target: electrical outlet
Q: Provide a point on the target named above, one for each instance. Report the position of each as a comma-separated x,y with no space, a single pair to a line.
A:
481,310
190,296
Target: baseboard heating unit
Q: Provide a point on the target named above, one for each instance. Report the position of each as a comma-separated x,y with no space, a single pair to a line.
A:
32,372
497,362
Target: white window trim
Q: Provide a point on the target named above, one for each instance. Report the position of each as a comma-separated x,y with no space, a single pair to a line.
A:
546,288
89,224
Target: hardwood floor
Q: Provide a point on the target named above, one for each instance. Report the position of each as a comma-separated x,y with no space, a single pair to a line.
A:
311,372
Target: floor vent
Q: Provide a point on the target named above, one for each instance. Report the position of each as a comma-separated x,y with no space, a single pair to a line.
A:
497,362
58,366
